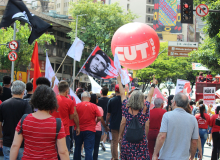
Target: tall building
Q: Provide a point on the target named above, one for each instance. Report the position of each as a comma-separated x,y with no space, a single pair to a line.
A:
143,8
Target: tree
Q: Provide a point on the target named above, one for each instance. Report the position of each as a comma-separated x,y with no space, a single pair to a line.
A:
99,25
25,50
167,67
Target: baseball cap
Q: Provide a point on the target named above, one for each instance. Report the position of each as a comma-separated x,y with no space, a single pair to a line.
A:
117,88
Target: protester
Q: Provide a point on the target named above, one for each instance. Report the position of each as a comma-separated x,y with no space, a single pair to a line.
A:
209,77
39,130
6,89
43,80
114,115
211,113
89,115
215,134
66,110
196,109
203,120
201,78
98,128
1,89
170,141
11,111
103,101
191,103
29,89
170,98
135,107
156,115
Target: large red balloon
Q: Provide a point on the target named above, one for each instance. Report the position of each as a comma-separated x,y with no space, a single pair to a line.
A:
137,45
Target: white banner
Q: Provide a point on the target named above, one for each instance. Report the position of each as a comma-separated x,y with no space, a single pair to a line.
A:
199,66
96,88
180,85
76,49
209,95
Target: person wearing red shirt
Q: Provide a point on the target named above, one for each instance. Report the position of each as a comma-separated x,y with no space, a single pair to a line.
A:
209,77
39,130
66,110
203,120
156,115
215,134
88,112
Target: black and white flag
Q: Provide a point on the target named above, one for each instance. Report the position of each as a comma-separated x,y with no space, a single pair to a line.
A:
17,10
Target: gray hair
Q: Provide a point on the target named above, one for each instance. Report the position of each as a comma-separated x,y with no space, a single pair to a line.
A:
158,102
136,101
18,87
85,94
181,100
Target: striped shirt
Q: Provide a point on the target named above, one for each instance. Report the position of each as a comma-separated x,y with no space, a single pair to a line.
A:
39,137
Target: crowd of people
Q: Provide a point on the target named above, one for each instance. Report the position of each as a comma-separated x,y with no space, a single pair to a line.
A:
43,125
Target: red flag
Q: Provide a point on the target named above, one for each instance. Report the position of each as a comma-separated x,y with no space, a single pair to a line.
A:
35,61
157,94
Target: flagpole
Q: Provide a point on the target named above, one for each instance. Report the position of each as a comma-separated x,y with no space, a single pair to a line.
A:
13,63
61,65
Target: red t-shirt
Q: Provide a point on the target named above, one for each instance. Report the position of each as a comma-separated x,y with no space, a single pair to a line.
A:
87,113
65,109
215,128
203,123
71,122
0,102
39,137
156,116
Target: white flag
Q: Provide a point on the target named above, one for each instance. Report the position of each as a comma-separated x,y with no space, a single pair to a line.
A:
49,72
96,88
75,96
124,75
76,49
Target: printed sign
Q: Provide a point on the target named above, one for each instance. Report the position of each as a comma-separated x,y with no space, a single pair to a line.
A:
13,45
180,85
12,56
209,95
199,66
202,10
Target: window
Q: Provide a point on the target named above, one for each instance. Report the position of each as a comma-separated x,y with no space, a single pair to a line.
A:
148,19
67,69
148,10
151,20
149,1
52,64
109,2
152,10
128,7
60,70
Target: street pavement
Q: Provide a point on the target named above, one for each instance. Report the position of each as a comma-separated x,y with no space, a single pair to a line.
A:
107,154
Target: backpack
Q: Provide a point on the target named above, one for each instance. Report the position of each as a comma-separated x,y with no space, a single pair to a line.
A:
58,124
135,131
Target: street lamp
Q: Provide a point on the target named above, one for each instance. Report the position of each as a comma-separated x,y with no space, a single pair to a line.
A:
74,62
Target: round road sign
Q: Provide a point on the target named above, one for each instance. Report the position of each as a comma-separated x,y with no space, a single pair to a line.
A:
13,45
12,56
202,10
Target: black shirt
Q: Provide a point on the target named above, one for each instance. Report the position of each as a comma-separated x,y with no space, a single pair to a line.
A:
11,112
27,97
103,101
114,107
6,94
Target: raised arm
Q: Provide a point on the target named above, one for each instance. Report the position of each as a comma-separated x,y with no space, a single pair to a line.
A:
151,92
121,89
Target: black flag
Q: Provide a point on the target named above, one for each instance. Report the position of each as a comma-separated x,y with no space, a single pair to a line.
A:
16,10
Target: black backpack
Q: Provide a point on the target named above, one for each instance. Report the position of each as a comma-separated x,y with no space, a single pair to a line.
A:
135,131
58,124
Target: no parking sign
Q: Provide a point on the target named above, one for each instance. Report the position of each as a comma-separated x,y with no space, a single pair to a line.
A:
12,56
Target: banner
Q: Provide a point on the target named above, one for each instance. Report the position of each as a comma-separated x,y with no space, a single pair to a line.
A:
218,93
180,85
199,66
76,49
99,65
187,90
96,88
209,95
157,94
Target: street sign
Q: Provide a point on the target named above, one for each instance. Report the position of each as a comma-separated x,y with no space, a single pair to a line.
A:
181,49
13,45
12,56
202,10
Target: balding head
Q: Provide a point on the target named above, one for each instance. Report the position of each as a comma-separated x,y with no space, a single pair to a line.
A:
158,102
181,100
85,96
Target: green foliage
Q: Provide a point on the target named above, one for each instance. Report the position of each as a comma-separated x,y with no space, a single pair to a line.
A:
25,51
168,67
99,25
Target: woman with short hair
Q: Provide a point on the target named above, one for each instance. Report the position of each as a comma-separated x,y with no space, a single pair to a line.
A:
39,130
135,107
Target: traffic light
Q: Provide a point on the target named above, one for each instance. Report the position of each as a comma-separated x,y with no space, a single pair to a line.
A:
186,11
